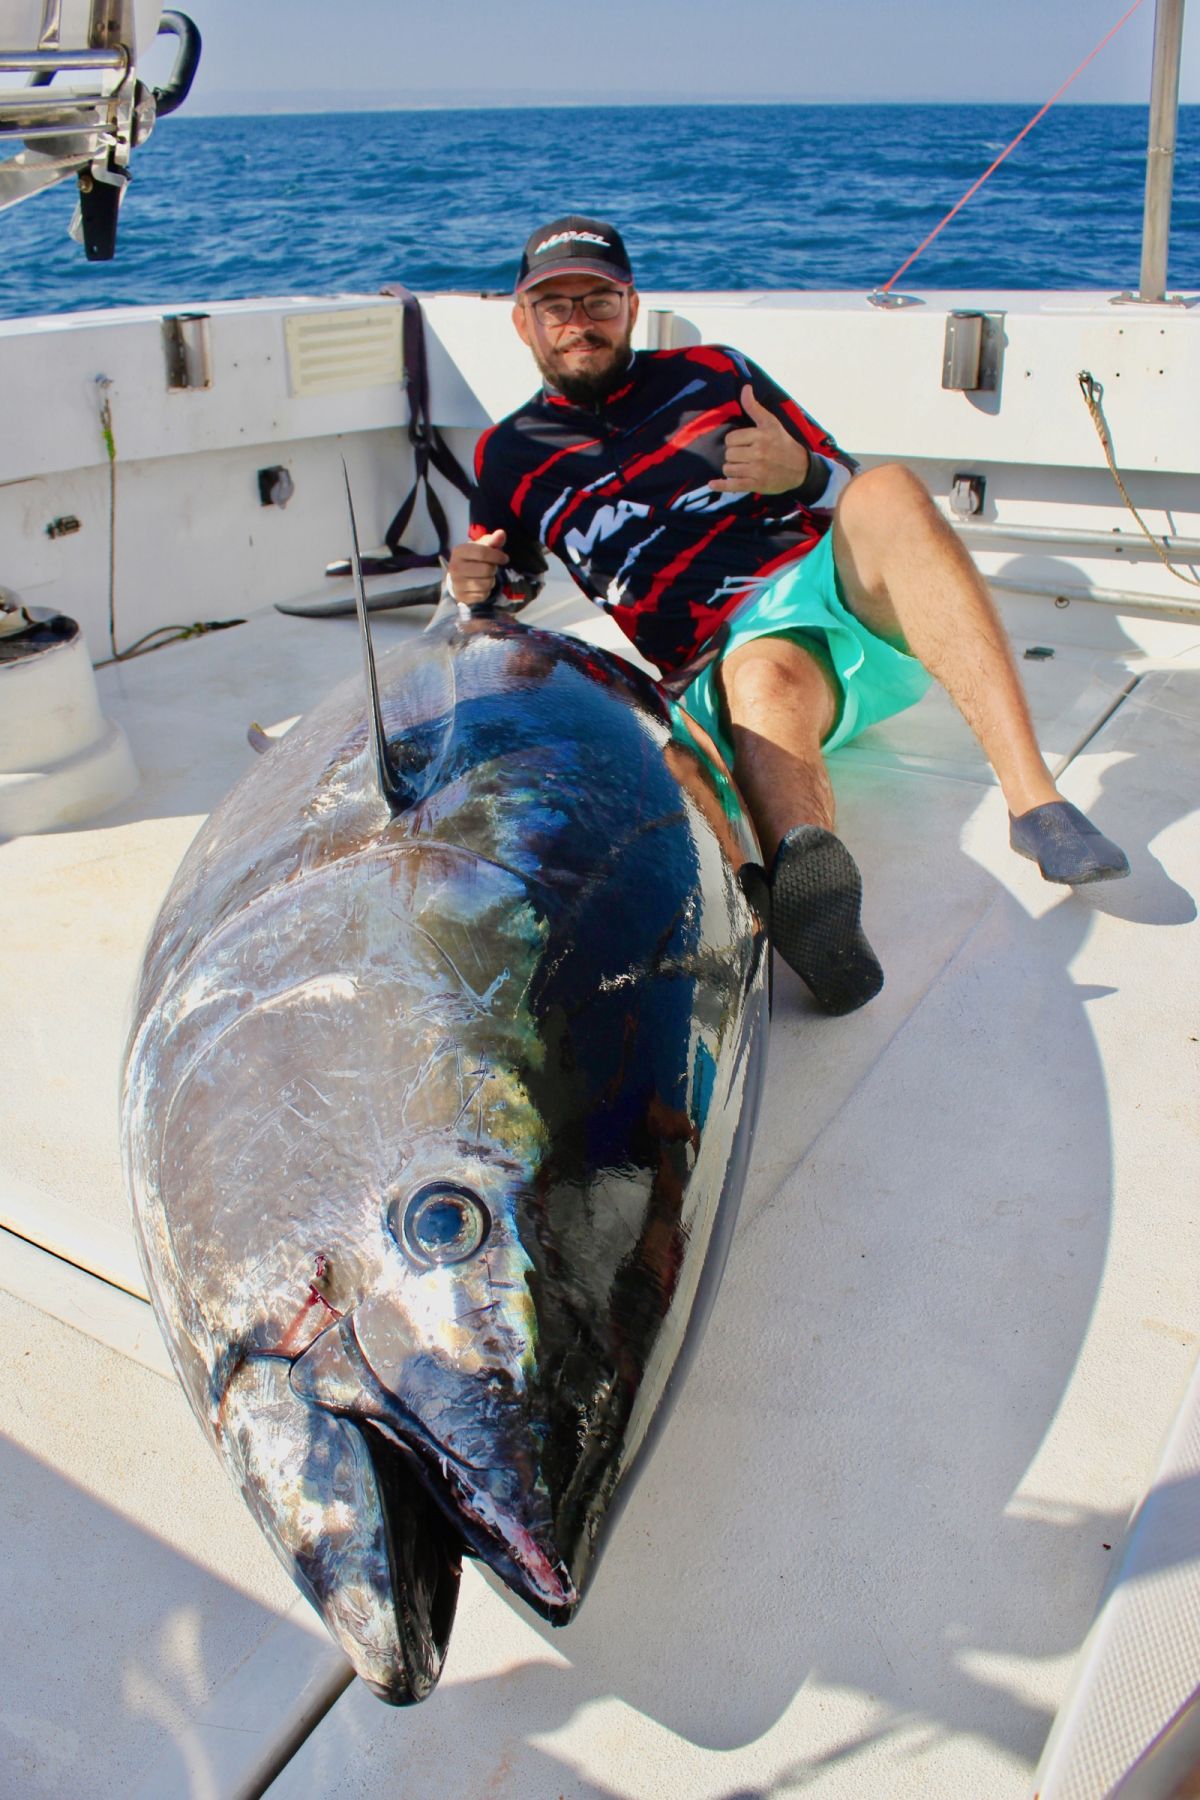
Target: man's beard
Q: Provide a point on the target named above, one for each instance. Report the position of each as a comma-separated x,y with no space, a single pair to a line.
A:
589,389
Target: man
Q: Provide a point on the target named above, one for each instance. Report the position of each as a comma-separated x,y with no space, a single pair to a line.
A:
788,600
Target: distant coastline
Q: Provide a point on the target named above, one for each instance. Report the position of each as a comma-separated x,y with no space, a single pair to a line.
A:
316,103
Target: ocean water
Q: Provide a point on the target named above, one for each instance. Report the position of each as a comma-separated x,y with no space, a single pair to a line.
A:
707,196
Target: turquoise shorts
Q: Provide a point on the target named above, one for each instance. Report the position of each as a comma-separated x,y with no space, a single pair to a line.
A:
806,602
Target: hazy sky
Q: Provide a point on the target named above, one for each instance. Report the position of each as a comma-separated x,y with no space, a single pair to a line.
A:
261,53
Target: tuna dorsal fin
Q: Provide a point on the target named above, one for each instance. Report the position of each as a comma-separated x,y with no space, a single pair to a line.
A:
396,791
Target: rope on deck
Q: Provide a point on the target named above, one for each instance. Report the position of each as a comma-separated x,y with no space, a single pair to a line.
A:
162,634
1093,394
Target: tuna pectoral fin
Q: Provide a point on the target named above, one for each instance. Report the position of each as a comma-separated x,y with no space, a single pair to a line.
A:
358,1536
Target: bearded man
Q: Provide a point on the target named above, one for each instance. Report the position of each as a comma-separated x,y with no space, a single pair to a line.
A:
787,599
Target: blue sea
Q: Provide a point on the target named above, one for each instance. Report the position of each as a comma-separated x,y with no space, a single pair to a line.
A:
707,196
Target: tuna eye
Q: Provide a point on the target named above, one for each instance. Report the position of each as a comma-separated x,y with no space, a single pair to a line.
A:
442,1224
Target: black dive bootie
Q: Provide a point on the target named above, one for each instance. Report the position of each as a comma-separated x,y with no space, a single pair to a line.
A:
816,900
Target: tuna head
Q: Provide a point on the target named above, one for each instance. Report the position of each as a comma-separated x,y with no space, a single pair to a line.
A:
400,1433
334,1229
405,1428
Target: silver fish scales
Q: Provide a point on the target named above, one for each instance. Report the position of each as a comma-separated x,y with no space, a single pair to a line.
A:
436,1118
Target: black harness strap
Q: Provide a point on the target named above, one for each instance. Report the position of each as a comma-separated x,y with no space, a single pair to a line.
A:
428,448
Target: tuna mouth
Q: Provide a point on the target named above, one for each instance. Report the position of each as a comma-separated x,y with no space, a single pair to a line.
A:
493,1507
482,1528
424,1566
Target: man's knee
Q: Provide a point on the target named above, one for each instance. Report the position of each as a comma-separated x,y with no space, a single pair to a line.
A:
772,676
884,498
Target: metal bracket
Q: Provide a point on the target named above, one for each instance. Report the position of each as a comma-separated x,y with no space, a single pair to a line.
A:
973,352
1128,299
187,346
893,302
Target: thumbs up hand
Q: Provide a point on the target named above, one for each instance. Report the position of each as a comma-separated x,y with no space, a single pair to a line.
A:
763,457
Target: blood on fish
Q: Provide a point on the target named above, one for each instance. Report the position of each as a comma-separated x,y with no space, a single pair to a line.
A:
294,1342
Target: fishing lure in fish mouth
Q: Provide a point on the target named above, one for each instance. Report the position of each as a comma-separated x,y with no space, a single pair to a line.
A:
440,1095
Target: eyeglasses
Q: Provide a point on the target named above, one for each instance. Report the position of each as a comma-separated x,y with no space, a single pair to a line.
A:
605,304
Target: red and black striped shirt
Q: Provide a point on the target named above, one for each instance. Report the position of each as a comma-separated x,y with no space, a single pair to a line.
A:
620,493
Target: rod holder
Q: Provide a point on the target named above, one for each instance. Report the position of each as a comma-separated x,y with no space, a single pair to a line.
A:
660,328
972,352
188,350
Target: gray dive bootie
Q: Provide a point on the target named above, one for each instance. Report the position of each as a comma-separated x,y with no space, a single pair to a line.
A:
1065,845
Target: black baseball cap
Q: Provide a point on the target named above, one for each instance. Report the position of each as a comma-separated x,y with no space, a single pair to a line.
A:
575,246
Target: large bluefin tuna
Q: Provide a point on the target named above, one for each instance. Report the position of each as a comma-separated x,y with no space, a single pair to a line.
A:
440,1095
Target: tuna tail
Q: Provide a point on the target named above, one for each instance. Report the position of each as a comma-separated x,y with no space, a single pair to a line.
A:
351,1524
397,792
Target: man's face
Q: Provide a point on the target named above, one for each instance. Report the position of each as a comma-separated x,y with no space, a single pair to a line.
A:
583,358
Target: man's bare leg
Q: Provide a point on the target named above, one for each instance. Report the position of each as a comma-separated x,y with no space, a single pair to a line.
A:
907,577
780,702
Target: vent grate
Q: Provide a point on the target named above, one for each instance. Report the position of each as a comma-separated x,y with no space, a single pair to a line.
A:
335,352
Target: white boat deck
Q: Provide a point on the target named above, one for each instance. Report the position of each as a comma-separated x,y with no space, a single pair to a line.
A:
958,1319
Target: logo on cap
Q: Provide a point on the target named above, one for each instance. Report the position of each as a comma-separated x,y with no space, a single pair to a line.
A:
571,237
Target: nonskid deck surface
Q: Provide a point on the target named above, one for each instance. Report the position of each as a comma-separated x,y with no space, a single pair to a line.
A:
955,1325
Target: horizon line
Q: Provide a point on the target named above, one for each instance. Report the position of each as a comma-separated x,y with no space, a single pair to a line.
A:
289,103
